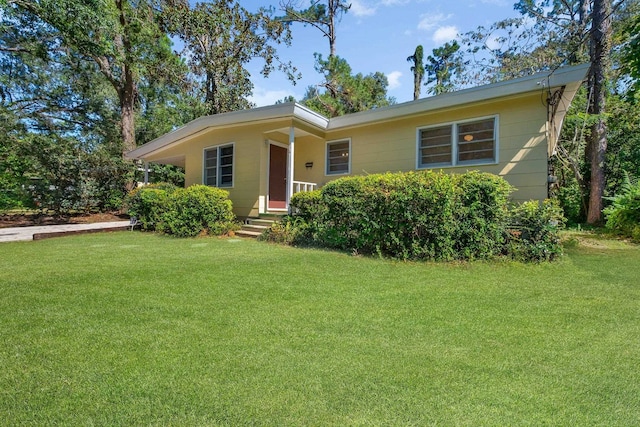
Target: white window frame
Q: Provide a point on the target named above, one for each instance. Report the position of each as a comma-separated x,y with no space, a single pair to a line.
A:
233,164
454,144
326,157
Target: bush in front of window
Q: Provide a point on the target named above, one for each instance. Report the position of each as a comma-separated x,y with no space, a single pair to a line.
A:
414,215
482,214
199,209
422,215
182,212
401,215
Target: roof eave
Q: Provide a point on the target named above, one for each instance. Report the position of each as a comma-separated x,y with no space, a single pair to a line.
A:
235,118
522,85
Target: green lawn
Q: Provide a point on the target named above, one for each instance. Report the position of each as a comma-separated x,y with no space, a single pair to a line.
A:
138,329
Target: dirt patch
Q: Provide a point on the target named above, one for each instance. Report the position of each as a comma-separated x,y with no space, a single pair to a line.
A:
26,220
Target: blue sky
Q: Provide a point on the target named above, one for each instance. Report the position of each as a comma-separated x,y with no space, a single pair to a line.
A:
377,35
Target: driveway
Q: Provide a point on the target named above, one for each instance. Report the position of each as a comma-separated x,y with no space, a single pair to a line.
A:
15,234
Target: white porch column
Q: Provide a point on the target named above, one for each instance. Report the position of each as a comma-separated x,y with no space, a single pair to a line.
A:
146,173
290,158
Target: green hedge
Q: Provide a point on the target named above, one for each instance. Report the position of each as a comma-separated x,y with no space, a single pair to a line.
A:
182,212
423,215
408,216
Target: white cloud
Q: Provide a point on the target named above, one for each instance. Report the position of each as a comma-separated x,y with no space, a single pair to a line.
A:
429,21
445,34
394,79
359,8
262,96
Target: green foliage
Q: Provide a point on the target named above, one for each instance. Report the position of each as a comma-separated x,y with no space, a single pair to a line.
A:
148,203
623,215
309,210
443,66
417,68
14,165
414,215
198,209
308,204
533,232
344,92
304,225
222,37
288,231
570,199
631,54
482,214
423,215
319,15
182,212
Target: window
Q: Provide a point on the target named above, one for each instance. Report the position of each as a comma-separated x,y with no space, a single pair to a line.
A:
476,141
462,143
218,166
435,146
338,153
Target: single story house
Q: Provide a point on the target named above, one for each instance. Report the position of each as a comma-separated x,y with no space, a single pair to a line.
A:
264,155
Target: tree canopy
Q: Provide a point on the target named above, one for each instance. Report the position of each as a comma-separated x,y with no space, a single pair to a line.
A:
345,92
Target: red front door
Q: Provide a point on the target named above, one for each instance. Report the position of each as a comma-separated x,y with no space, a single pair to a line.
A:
277,177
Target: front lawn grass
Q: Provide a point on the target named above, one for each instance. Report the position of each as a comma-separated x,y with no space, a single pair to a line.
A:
139,329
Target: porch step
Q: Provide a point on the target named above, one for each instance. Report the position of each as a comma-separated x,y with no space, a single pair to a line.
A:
272,216
254,227
251,234
260,222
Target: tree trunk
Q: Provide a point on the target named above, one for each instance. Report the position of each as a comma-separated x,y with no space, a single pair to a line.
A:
597,145
127,119
333,9
126,87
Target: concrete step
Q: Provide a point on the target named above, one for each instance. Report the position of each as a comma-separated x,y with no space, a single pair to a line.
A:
247,233
273,216
254,227
260,221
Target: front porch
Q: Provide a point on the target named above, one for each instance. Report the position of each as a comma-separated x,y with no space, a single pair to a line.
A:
294,164
262,157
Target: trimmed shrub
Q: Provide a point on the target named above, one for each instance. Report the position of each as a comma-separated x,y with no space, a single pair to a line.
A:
198,209
308,205
623,215
423,215
148,204
304,226
413,215
183,212
533,232
483,214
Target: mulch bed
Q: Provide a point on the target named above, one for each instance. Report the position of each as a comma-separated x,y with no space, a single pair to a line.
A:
26,220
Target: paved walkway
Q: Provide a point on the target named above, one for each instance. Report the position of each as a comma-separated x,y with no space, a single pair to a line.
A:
15,234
